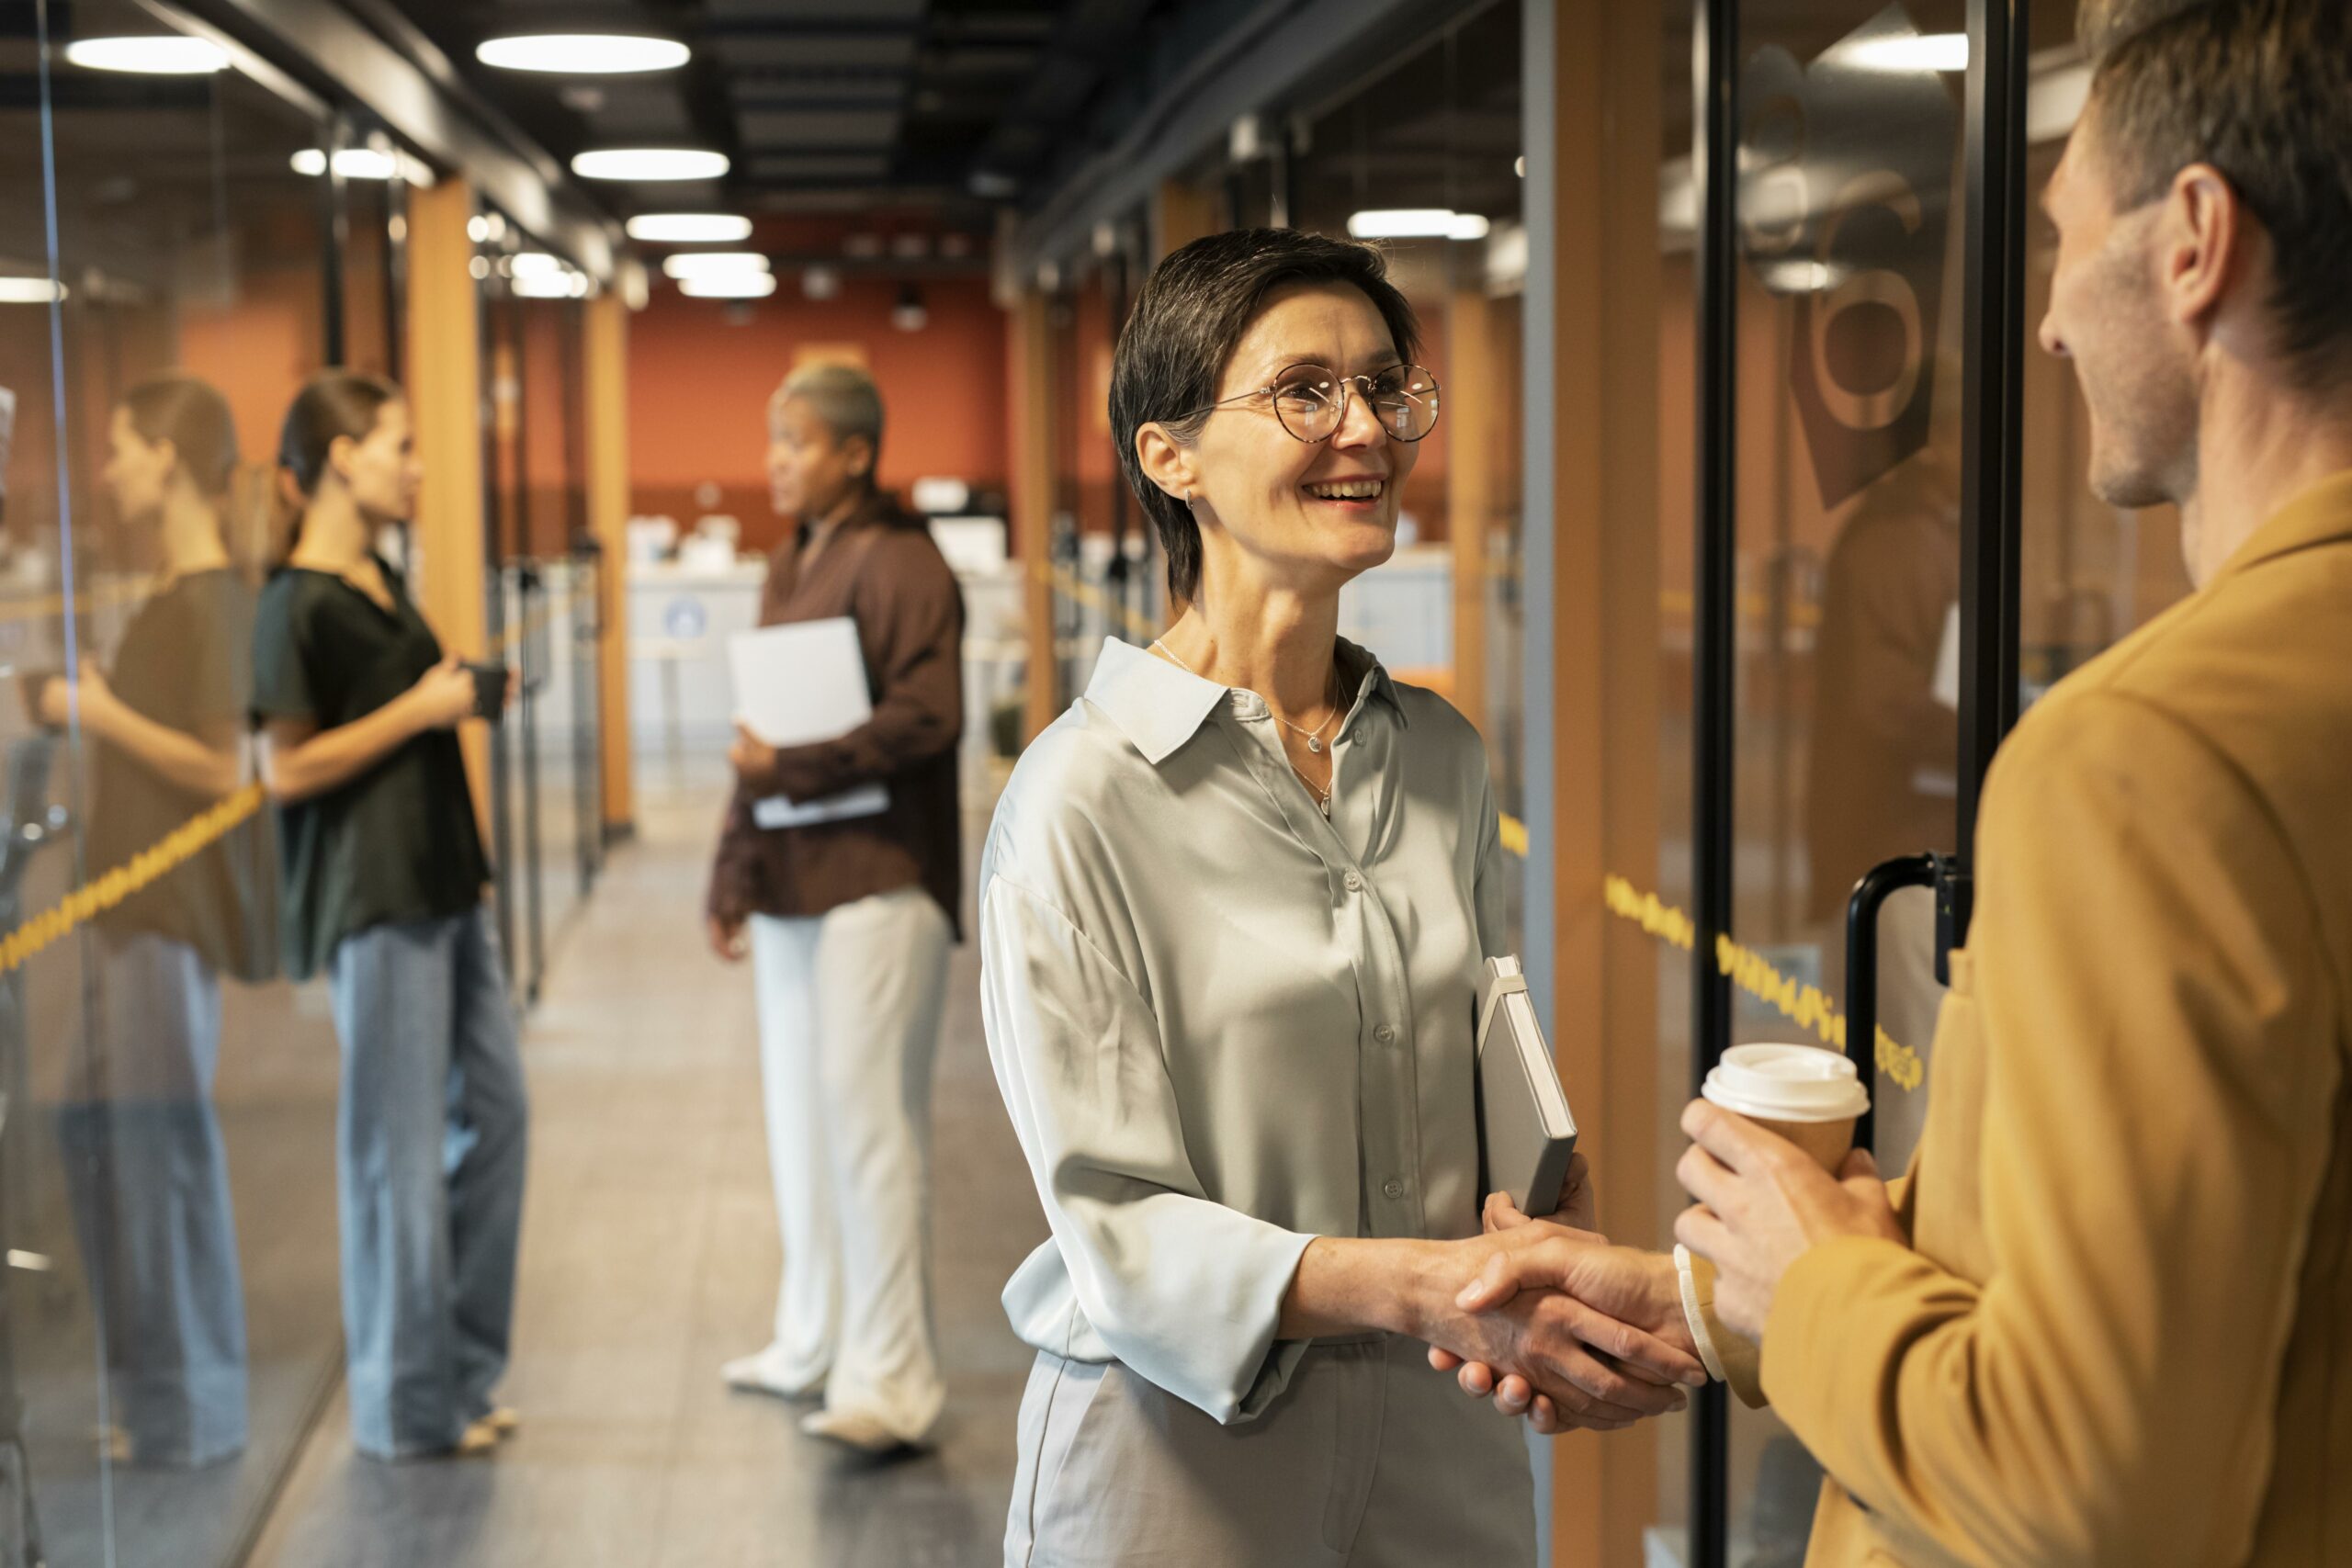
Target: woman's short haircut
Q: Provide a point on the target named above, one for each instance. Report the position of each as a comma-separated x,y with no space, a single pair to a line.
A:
843,396
1186,323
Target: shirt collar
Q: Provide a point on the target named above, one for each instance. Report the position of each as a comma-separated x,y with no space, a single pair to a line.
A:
1160,706
2319,514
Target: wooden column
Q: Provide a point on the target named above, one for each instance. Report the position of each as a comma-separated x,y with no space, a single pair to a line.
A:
605,368
1470,489
1179,214
1604,588
1031,363
445,399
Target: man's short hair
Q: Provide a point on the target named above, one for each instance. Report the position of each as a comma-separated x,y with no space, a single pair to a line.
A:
843,396
2261,90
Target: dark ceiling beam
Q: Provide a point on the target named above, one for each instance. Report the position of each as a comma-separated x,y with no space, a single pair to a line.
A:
1217,61
419,94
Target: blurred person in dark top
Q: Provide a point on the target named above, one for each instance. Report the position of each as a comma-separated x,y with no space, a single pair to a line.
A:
383,875
848,924
145,1164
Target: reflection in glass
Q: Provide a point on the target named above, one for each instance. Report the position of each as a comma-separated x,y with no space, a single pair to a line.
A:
147,1170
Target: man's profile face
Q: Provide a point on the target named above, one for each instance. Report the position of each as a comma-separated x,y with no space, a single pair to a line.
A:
2136,363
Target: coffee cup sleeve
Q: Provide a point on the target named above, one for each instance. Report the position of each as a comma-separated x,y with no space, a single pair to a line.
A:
1728,1356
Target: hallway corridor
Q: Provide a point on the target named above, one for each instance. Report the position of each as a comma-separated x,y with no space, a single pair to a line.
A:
649,1257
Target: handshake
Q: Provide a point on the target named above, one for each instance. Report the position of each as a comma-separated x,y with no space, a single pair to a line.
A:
1555,1324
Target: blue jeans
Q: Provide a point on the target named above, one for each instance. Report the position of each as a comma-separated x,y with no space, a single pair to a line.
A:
148,1178
429,1146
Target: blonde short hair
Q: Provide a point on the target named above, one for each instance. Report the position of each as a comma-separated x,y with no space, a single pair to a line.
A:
843,396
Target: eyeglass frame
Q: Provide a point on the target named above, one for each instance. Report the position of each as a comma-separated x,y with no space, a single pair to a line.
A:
1342,418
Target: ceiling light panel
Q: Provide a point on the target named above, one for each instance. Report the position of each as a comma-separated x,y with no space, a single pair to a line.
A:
583,54
649,164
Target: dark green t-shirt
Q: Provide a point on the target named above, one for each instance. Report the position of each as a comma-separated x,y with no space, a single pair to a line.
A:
397,843
186,662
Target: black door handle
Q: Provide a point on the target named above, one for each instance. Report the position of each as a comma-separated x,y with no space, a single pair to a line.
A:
1870,894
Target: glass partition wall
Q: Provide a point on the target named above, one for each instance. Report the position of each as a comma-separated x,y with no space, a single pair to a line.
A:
547,813
168,279
178,254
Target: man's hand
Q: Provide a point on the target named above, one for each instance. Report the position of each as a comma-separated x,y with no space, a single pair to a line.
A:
1634,1292
1763,1203
1577,1209
727,939
751,757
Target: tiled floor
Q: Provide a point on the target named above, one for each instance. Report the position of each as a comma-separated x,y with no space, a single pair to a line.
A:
649,1257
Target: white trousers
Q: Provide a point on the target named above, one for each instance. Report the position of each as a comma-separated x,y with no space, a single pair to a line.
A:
849,1005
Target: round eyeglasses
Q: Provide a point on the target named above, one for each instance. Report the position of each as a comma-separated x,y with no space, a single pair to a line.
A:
1311,401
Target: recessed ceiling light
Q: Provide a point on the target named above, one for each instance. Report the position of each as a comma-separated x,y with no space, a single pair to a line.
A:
649,164
689,228
163,55
352,163
29,291
1416,223
583,54
536,264
714,263
561,285
728,286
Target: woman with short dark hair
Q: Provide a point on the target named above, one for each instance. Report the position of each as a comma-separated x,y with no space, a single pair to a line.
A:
383,875
1234,907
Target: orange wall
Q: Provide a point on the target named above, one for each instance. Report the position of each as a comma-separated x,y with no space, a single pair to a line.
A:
699,386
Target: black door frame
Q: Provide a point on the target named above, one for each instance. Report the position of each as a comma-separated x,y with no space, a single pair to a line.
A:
1993,339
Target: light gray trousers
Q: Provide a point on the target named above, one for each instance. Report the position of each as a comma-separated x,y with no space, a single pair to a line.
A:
1368,1460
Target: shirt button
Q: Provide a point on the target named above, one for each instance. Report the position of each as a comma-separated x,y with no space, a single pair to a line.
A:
1395,1188
1354,883
1385,1034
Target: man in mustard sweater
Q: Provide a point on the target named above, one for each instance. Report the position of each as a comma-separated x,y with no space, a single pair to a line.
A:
2106,1319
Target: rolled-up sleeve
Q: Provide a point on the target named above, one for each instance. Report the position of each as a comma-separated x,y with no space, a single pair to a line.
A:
1186,1291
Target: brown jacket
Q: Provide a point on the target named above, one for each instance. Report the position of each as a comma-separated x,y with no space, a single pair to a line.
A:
2124,1332
881,568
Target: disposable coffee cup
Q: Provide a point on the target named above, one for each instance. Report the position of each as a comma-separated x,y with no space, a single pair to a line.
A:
1807,1095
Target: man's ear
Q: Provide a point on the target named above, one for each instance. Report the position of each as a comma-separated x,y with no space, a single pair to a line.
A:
1166,462
861,458
2202,244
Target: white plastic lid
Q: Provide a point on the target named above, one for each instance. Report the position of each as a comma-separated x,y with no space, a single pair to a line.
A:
1787,1083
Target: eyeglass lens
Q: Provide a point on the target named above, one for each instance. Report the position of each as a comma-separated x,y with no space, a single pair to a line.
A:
1312,398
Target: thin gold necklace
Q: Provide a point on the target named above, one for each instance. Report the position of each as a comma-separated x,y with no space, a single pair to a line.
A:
1314,737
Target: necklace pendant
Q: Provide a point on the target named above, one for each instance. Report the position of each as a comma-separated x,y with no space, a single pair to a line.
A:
1314,744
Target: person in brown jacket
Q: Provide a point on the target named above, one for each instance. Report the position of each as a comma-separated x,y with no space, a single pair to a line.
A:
2106,1318
848,923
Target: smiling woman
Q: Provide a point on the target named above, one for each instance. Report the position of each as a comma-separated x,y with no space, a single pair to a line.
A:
1233,909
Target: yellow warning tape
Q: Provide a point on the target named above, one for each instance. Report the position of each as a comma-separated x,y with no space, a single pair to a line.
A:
175,847
1807,1007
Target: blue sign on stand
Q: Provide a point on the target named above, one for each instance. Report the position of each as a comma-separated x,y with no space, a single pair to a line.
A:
684,618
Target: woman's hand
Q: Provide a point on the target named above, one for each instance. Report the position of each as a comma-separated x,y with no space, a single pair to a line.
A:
57,696
1578,1209
751,757
727,939
443,696
1579,1346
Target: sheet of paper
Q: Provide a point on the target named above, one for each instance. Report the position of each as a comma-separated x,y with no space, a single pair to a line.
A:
800,683
795,686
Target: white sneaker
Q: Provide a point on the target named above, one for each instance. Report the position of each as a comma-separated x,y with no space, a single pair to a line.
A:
765,1372
858,1430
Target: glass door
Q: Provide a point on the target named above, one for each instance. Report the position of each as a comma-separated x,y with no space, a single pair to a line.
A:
1855,611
